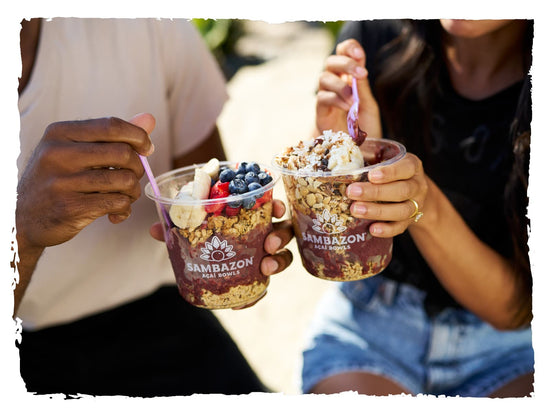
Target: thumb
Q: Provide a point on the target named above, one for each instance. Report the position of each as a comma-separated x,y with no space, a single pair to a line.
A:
146,121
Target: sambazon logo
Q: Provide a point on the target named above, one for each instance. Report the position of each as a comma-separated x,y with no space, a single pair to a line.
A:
330,226
215,252
327,223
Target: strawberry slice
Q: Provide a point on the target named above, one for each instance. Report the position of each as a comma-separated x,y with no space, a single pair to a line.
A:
215,208
218,190
263,199
231,212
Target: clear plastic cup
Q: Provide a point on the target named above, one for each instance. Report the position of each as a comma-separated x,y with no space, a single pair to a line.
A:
333,244
216,264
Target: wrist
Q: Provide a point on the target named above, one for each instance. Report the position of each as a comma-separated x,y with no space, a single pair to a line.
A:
430,209
27,259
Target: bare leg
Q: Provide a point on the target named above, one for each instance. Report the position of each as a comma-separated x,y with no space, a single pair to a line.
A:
363,383
520,387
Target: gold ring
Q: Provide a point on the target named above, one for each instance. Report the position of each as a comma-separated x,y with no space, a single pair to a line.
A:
416,214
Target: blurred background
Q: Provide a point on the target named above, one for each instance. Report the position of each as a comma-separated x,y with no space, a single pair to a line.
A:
272,71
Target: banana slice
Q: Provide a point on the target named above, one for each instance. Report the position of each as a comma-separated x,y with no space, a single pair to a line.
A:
196,216
201,184
212,168
179,214
191,216
201,190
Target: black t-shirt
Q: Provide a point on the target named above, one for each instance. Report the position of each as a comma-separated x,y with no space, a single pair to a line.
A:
471,159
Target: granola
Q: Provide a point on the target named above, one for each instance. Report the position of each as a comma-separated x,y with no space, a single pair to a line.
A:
219,222
235,297
314,195
234,226
333,244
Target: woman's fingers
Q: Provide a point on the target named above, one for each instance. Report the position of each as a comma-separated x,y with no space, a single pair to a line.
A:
398,211
353,49
388,229
345,66
397,191
392,183
387,198
406,168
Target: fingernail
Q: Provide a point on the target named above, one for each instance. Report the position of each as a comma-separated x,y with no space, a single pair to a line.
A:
271,266
151,149
275,242
357,52
359,209
375,175
354,191
360,71
375,230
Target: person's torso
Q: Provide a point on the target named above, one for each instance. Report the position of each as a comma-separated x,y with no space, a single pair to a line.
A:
470,160
89,68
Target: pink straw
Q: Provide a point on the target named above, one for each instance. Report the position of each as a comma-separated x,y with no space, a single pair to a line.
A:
150,175
154,185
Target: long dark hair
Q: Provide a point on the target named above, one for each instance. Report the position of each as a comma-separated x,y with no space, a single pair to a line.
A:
405,86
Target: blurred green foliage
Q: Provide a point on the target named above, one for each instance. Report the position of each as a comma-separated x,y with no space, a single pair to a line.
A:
221,35
333,27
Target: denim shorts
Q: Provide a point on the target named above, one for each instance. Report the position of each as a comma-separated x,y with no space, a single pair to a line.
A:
380,326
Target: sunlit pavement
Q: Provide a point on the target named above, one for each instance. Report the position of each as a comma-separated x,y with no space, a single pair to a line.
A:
272,105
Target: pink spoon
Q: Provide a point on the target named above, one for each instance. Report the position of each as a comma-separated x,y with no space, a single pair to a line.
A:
353,115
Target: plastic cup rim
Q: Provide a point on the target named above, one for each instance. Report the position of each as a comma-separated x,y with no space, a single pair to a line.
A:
187,170
327,174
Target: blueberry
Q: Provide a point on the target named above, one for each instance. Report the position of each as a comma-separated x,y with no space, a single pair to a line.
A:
239,176
251,177
237,186
242,168
264,178
253,186
234,204
227,175
253,167
248,203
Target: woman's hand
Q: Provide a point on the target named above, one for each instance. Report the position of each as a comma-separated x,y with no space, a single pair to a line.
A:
334,97
386,198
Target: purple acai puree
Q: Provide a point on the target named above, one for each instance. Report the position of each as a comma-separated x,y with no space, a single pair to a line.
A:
333,244
348,255
218,264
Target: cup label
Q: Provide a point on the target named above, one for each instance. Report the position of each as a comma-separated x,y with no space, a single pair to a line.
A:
327,223
329,228
217,250
215,253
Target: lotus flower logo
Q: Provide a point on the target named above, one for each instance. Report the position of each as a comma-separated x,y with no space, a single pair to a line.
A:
217,250
327,223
